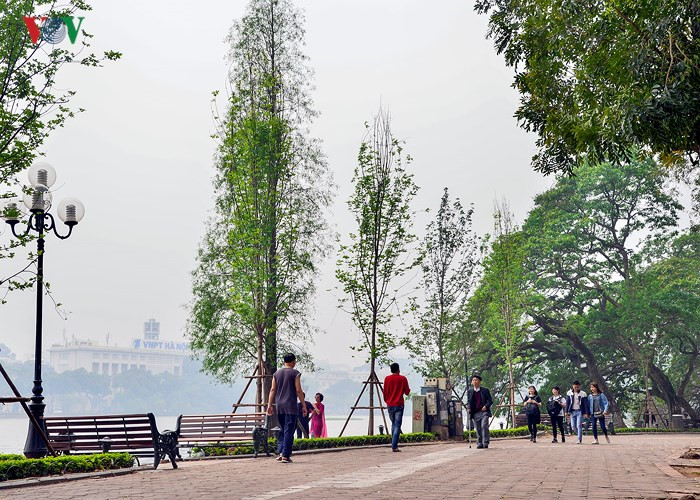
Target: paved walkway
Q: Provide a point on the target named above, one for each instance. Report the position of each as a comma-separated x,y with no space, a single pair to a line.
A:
630,467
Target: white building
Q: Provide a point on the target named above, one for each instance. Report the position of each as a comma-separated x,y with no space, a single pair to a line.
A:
146,353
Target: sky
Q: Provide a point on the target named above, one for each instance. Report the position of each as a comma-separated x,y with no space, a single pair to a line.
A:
140,156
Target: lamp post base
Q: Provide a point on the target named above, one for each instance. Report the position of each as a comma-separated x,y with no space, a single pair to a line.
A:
34,446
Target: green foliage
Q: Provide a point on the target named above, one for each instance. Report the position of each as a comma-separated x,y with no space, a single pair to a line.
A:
319,443
630,430
18,468
256,265
507,433
597,77
448,264
378,253
11,456
31,104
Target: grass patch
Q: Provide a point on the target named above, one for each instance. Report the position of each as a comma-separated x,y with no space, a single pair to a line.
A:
18,467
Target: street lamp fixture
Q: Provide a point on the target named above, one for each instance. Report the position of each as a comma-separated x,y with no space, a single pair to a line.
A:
38,201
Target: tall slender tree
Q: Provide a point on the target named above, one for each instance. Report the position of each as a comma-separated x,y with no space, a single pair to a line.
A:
257,262
499,300
449,265
378,255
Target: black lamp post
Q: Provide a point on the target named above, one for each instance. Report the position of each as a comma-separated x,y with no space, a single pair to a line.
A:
41,176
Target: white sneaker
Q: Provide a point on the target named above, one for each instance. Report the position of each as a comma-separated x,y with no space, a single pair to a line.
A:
578,442
607,439
595,441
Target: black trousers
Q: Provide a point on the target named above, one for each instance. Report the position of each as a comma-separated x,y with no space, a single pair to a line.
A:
302,428
532,419
558,421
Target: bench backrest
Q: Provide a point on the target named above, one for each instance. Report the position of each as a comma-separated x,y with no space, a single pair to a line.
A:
83,433
222,428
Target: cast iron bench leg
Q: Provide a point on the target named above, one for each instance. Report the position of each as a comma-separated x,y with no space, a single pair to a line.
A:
167,445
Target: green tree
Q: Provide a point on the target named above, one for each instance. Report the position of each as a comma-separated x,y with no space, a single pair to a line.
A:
598,77
449,263
31,105
257,262
497,305
584,249
378,256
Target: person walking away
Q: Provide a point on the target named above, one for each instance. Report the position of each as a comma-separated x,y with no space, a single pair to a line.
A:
395,388
576,407
318,418
479,408
286,388
555,408
532,405
303,420
598,408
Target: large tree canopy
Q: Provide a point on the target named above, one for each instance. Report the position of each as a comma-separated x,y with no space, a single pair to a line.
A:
596,77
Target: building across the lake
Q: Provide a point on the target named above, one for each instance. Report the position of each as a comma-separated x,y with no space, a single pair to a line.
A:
146,353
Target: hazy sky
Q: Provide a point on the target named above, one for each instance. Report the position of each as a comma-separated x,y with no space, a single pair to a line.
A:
140,157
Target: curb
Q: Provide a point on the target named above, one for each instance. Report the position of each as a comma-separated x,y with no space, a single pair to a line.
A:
40,481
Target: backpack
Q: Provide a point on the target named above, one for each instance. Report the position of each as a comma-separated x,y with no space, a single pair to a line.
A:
553,407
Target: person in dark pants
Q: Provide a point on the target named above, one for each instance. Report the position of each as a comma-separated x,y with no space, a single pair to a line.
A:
555,408
303,420
479,408
286,388
532,405
395,388
598,408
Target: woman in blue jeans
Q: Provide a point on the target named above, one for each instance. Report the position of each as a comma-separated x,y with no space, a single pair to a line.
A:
598,408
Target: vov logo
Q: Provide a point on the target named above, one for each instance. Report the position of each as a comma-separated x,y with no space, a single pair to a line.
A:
52,29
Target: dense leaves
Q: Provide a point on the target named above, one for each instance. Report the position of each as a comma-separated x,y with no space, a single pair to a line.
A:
596,77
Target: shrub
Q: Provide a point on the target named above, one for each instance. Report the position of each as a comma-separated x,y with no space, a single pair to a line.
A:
19,467
624,430
499,433
10,456
316,443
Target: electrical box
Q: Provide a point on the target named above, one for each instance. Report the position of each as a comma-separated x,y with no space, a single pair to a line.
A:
418,414
432,403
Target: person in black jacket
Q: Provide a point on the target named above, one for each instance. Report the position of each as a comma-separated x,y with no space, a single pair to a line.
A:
532,405
479,408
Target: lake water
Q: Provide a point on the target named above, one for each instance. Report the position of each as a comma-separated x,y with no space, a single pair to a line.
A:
13,431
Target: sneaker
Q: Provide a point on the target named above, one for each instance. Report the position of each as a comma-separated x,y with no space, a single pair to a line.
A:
479,446
286,460
578,442
555,440
486,446
279,458
595,441
395,449
563,440
607,439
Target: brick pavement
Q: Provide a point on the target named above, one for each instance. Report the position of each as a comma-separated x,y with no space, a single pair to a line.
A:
627,468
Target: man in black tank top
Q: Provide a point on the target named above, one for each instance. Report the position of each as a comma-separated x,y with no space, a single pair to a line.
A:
286,388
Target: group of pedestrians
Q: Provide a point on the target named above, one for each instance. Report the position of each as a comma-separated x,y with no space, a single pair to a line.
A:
577,404
309,418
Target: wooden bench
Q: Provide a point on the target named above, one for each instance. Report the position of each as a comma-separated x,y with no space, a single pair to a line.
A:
136,434
222,429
